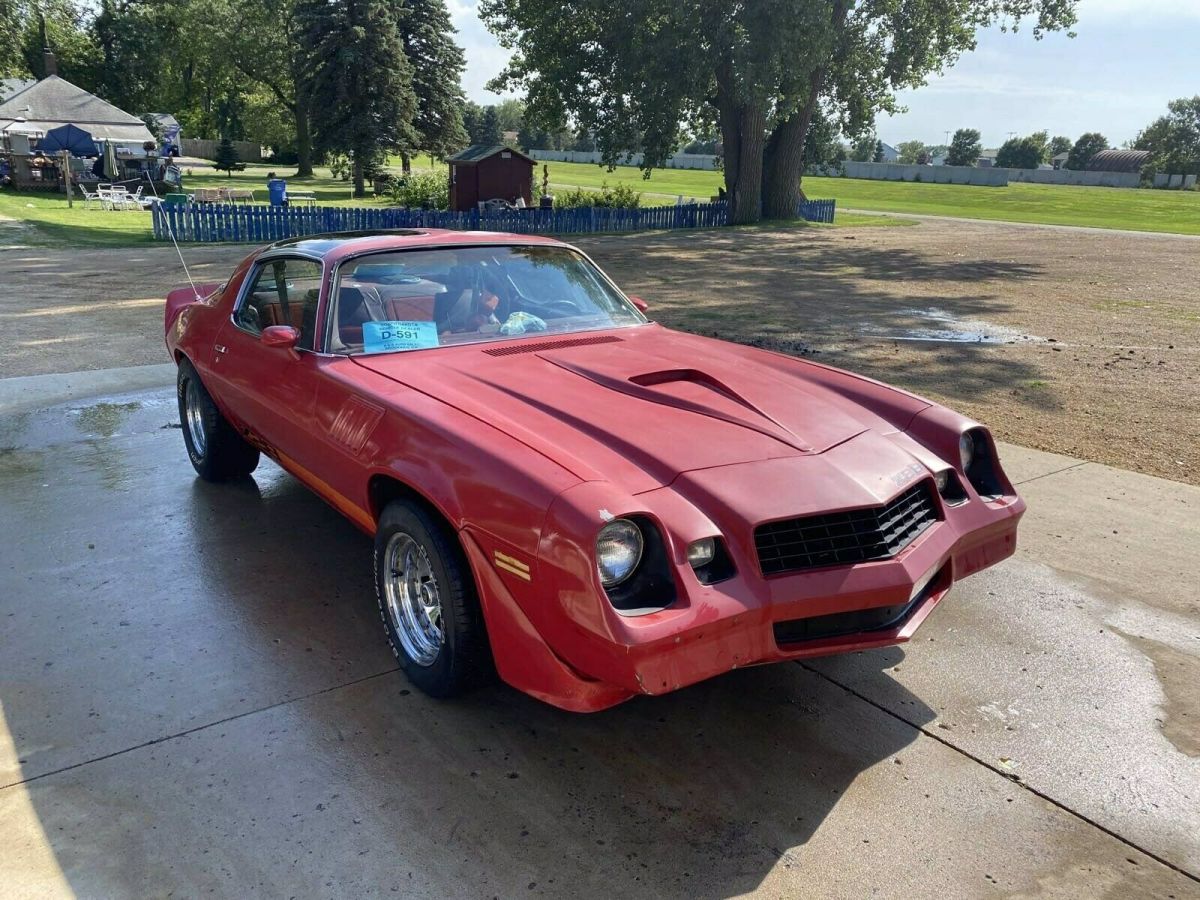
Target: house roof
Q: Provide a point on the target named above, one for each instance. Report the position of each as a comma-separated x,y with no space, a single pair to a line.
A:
1061,157
1119,161
479,152
54,101
11,86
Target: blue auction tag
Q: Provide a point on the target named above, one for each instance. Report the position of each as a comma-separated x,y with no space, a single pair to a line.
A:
382,337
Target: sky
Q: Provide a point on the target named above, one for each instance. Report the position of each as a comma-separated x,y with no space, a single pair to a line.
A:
1128,59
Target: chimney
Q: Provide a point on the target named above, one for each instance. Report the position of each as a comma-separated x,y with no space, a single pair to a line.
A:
49,63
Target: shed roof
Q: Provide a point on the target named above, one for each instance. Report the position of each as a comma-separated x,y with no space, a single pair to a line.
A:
1119,161
54,101
479,152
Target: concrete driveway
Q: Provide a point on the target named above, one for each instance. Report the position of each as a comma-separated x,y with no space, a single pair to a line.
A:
195,699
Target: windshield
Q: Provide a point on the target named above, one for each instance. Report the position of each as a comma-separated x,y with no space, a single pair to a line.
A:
418,299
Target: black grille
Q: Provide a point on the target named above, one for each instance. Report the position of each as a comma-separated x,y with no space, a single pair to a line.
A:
838,539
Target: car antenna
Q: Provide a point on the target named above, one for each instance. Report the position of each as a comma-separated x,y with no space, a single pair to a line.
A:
171,233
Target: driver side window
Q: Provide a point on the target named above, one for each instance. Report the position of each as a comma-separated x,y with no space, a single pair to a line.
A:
283,292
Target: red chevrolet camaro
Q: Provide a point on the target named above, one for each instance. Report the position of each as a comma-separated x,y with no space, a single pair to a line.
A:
587,503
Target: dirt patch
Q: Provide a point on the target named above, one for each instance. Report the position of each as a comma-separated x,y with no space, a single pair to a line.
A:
1077,342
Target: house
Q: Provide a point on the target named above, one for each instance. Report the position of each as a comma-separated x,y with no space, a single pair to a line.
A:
987,158
890,153
11,86
54,101
1059,160
481,173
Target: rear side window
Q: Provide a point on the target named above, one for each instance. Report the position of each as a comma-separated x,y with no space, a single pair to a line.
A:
283,292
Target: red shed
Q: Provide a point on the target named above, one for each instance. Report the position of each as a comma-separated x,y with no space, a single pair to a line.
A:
482,173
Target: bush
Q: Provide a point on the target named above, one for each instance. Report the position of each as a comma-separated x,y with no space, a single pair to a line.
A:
428,190
339,166
620,197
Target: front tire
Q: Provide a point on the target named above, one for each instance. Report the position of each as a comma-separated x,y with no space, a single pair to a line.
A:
428,602
216,450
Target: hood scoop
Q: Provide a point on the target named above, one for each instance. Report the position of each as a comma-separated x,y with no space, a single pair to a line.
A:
693,391
537,346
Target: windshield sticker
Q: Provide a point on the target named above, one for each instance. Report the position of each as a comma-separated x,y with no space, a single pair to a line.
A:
383,337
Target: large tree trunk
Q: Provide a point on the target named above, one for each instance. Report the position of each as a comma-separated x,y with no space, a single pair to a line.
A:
783,166
304,166
405,162
360,188
742,128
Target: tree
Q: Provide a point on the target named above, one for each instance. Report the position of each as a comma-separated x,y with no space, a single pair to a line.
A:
911,151
1085,148
1174,139
1021,153
964,148
511,114
1059,145
878,155
437,63
227,157
489,128
821,147
759,68
358,78
863,149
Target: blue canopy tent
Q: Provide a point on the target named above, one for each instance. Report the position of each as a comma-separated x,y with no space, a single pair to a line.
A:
71,138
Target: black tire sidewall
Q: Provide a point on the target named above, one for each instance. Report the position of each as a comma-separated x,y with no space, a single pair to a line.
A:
442,678
202,462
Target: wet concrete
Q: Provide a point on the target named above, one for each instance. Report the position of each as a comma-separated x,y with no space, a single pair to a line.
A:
195,698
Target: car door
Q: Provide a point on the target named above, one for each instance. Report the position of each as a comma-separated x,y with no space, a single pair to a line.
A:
269,390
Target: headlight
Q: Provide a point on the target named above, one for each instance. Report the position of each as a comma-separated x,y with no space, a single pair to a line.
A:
618,551
966,450
701,552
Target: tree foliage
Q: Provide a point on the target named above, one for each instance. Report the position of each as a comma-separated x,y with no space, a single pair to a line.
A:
358,79
227,157
437,63
759,68
964,148
911,151
1174,139
1059,144
1023,153
1085,148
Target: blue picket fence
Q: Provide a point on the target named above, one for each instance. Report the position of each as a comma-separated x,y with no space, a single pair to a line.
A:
217,223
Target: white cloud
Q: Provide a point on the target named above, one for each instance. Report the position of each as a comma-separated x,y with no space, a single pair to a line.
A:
485,56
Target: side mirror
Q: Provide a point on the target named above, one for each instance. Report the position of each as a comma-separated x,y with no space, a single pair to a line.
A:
283,336
641,304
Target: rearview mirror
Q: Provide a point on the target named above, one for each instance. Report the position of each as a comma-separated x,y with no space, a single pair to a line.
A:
284,336
641,304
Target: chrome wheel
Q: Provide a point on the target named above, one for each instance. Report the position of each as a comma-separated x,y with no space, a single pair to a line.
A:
194,418
412,600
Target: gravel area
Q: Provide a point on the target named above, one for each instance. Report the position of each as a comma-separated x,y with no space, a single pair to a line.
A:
1079,342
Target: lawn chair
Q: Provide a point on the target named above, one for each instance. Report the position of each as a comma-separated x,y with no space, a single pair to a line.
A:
89,197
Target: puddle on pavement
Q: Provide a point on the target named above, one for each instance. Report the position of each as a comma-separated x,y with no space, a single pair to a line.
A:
17,463
104,419
1179,675
941,326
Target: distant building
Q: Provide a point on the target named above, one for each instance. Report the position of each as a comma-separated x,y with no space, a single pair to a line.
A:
890,153
1119,161
54,101
987,158
11,86
1059,160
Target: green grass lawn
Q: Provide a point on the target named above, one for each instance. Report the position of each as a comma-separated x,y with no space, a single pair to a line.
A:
1138,210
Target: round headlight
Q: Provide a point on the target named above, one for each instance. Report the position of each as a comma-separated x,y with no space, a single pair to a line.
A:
966,449
618,551
701,552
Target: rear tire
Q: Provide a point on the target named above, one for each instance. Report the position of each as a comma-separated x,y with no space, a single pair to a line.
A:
428,602
217,451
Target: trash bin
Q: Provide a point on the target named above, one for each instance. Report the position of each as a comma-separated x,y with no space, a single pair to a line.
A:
547,201
277,188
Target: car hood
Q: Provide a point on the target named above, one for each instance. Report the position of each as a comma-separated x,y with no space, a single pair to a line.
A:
639,406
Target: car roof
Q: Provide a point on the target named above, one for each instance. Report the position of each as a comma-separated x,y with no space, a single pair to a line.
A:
340,245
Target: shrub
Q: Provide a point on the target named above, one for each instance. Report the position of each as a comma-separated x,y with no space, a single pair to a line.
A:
339,166
620,197
429,190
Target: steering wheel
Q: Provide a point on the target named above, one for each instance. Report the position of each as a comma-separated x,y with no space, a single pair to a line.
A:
561,308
